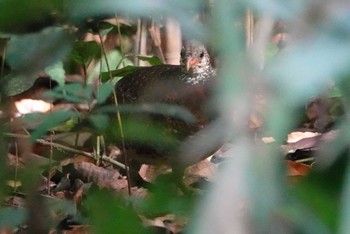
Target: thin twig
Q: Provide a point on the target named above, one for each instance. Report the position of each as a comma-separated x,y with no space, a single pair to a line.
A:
249,28
80,152
3,60
120,123
126,166
16,168
68,149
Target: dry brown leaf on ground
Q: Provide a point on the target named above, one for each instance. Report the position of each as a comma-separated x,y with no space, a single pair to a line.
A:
150,172
297,136
166,223
203,169
100,176
297,169
309,142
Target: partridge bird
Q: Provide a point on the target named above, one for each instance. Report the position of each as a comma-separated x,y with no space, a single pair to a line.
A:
152,138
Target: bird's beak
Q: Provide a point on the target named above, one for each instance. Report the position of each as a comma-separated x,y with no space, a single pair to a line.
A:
190,63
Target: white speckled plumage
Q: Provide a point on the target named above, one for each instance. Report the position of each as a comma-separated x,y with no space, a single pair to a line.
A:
200,72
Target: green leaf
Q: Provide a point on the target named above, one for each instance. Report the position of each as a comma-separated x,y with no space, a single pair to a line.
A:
119,72
335,92
345,207
66,126
144,132
164,198
16,83
154,60
31,53
104,91
172,111
182,10
77,93
11,217
271,51
126,220
84,52
106,27
17,16
309,67
56,72
52,120
99,121
115,59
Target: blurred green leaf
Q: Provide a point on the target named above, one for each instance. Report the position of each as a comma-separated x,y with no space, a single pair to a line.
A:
85,9
335,92
99,121
306,221
285,10
306,69
34,52
105,28
114,58
166,200
84,52
104,32
168,110
119,72
97,25
16,84
60,206
271,51
52,120
104,91
75,92
56,72
321,190
144,133
344,226
18,16
127,30
12,217
110,214
66,126
323,206
154,60
181,10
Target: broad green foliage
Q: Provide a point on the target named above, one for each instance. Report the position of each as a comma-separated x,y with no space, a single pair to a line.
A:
31,53
28,16
56,72
34,52
110,214
115,61
50,121
84,52
15,83
12,217
76,93
182,10
152,60
119,72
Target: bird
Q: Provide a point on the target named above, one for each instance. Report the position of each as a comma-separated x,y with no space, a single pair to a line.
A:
155,138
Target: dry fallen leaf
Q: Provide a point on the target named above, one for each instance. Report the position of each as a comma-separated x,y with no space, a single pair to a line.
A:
297,169
297,136
100,176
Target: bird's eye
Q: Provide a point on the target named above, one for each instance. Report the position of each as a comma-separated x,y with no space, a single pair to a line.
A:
201,55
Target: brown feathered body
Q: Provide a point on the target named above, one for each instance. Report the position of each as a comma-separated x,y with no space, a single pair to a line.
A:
188,86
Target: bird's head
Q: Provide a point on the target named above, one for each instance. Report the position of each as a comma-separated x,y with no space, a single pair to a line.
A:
195,57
